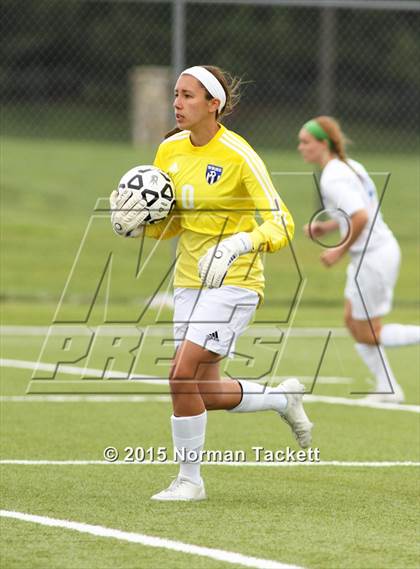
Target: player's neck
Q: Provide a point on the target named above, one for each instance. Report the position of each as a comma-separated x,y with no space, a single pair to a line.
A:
325,159
203,133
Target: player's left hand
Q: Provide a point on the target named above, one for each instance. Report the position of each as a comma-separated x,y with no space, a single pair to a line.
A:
214,265
332,256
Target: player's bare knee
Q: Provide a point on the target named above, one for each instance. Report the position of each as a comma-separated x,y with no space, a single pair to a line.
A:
358,336
184,370
364,333
210,401
182,375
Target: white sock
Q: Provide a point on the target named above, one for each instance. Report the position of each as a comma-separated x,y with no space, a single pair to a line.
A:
188,434
385,382
256,397
394,335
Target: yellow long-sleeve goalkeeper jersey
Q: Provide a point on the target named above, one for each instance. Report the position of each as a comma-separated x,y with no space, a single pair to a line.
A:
219,188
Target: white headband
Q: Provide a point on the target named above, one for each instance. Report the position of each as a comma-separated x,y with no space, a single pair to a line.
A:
209,81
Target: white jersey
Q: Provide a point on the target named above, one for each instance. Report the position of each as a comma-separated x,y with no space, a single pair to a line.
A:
350,188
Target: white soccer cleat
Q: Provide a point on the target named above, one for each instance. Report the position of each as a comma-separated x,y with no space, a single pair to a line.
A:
396,397
295,415
182,489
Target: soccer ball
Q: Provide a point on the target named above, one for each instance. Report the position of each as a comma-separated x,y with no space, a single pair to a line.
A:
155,187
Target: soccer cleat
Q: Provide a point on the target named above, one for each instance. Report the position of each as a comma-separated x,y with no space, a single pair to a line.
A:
295,415
182,489
396,397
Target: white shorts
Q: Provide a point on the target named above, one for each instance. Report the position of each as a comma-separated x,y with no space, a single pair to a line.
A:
213,318
377,278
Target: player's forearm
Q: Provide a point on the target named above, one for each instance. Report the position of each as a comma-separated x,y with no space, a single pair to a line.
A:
329,226
273,234
358,222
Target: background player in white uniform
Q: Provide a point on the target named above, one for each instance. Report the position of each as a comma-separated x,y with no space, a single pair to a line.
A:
220,182
346,185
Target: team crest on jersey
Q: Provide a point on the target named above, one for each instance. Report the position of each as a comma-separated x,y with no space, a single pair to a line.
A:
213,173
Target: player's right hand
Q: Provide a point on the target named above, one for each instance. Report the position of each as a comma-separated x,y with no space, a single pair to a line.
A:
314,229
128,212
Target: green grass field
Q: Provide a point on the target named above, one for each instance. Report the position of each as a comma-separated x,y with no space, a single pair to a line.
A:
355,512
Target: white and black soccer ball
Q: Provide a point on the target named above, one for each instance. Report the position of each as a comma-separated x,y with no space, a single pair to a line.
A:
155,187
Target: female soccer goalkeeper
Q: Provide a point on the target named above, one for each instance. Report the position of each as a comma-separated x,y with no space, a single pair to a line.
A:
346,186
220,183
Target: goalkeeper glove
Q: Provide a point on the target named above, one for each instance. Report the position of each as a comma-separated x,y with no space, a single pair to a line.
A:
129,211
214,265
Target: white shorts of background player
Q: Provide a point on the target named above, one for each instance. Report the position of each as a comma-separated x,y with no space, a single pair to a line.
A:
376,280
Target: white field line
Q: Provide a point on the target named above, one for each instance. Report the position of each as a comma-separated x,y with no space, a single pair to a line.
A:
360,403
325,379
307,174
334,463
275,330
130,398
79,371
73,370
94,373
70,398
150,541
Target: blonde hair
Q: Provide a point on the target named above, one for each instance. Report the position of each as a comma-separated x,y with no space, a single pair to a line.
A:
338,139
231,86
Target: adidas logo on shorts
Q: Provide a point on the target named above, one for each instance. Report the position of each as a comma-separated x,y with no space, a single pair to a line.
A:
213,336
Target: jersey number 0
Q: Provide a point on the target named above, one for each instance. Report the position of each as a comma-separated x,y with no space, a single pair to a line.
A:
187,193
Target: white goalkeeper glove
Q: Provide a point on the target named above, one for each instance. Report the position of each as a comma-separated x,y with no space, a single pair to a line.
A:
214,265
128,212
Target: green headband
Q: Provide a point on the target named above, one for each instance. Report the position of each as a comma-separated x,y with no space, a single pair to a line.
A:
318,132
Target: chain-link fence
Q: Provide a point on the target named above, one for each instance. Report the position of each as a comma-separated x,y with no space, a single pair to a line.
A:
66,65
